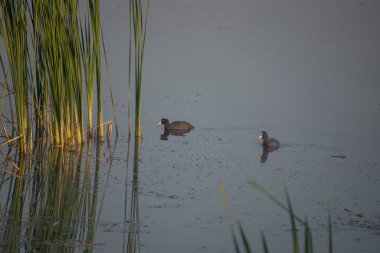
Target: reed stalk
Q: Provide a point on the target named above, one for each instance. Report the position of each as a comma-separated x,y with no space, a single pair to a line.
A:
10,234
95,24
89,70
14,31
134,218
139,19
293,224
109,84
55,208
50,52
330,233
264,242
308,240
58,92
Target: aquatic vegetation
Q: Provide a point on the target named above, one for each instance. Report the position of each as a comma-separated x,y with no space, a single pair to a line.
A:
307,235
91,63
52,61
132,231
14,31
138,25
56,205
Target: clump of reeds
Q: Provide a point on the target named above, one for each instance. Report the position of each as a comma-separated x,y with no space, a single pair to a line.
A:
14,30
55,208
58,69
308,241
138,22
91,62
52,53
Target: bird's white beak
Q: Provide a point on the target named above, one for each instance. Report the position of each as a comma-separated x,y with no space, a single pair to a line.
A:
261,136
159,123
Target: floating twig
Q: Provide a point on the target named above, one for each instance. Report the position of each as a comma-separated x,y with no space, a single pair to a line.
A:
9,141
339,156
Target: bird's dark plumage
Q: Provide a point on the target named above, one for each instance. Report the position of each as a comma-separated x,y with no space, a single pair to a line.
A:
269,143
176,125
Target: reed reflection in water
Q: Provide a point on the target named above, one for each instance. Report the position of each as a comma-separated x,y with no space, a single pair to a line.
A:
131,241
54,205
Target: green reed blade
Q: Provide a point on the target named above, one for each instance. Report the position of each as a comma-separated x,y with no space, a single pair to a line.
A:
50,50
226,206
275,200
293,224
245,240
14,32
109,82
139,34
264,242
308,243
330,233
95,28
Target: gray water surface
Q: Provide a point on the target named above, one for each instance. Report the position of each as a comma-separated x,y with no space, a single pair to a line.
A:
307,72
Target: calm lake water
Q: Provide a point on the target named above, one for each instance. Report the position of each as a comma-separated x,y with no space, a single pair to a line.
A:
306,72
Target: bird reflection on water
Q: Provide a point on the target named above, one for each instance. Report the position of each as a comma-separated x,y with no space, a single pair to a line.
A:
264,156
174,132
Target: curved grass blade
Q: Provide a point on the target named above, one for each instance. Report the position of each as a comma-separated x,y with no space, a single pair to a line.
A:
330,234
293,224
308,238
264,241
226,206
245,241
276,201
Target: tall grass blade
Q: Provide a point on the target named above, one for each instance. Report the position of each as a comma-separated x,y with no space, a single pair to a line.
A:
264,242
229,215
109,83
14,31
7,93
134,227
293,224
48,46
130,71
247,247
95,27
330,233
308,238
139,20
308,243
236,244
88,58
255,185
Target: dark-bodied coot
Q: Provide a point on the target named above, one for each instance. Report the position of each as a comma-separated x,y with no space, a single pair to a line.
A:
176,125
269,143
